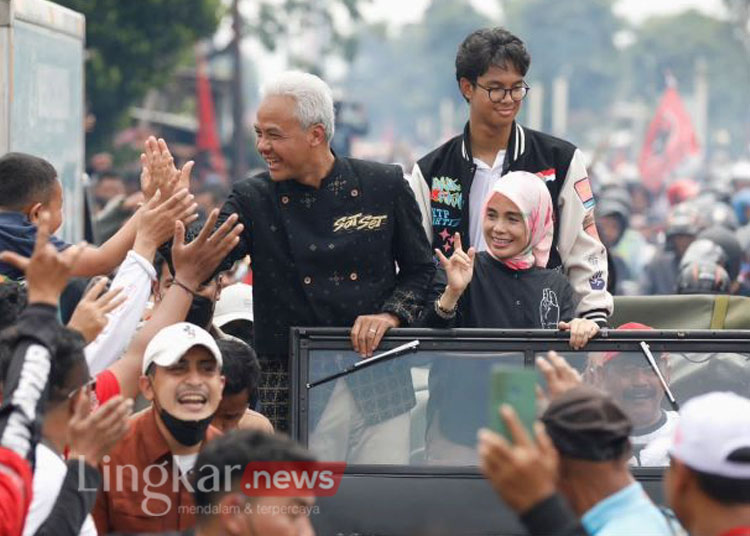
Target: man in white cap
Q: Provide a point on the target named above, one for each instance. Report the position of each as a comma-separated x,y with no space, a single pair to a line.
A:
234,312
147,472
708,480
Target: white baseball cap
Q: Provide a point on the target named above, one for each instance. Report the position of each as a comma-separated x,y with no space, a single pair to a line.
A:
235,303
172,342
710,429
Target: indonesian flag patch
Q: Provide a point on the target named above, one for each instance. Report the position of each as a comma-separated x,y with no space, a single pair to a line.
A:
547,175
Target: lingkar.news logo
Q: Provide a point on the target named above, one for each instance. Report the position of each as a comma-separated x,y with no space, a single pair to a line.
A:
292,479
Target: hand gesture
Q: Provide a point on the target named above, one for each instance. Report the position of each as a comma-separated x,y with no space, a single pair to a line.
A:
47,271
459,268
90,315
92,434
195,262
523,473
558,374
159,172
158,216
368,331
582,330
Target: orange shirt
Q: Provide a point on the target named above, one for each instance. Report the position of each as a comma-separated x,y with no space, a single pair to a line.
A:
142,489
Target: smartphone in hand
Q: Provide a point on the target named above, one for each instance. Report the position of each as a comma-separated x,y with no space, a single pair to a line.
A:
515,386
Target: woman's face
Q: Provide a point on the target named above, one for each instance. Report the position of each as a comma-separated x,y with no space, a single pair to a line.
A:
504,228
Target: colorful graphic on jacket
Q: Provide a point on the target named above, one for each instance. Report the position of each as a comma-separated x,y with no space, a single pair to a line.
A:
446,191
448,239
441,218
549,310
584,192
596,281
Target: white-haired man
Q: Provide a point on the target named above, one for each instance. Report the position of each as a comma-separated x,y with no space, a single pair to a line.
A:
325,235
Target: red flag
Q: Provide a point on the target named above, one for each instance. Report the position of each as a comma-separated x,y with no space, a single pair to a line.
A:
207,138
670,139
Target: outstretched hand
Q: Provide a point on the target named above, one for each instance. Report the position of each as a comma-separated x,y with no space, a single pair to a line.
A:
159,172
93,434
47,270
558,374
195,262
90,315
459,268
523,473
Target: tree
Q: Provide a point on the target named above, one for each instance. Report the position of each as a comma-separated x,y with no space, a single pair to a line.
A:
573,39
134,46
739,11
673,44
403,79
310,30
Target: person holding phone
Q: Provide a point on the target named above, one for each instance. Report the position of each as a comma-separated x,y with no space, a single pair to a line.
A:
505,286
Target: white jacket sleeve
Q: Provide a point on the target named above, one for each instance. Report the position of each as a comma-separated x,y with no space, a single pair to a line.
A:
583,255
422,193
134,277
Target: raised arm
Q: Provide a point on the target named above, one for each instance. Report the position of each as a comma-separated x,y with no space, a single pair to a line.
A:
158,175
135,275
25,385
194,263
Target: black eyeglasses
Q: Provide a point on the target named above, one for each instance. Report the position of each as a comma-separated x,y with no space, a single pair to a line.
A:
497,94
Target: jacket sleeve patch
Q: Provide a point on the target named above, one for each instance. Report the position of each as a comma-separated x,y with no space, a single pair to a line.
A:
548,175
584,192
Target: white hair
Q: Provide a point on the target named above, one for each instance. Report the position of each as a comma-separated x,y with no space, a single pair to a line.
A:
314,102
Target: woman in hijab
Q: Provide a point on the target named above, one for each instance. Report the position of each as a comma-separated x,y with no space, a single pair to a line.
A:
506,286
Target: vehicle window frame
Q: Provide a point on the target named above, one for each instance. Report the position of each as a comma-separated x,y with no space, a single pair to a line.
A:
530,342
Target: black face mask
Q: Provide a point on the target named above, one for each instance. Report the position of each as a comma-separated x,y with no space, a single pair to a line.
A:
188,433
201,312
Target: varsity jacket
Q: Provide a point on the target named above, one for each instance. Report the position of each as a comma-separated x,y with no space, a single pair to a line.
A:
441,182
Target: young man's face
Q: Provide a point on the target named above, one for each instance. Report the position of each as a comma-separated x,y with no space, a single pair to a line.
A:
231,410
493,114
190,389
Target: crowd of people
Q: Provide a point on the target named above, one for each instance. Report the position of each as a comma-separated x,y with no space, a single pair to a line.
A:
493,229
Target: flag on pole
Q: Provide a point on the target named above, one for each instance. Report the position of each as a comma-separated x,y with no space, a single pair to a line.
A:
207,138
670,139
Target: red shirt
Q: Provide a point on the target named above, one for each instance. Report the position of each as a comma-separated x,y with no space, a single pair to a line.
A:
107,386
15,492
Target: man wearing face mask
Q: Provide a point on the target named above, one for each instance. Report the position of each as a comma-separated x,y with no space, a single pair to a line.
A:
148,472
202,307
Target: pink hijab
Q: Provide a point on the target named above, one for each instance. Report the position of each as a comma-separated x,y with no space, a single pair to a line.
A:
529,193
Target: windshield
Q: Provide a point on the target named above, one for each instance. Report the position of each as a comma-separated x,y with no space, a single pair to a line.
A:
425,409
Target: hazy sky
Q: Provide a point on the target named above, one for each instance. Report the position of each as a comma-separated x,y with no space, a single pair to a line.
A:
405,11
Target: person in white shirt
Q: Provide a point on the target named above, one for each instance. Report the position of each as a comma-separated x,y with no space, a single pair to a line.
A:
630,380
70,392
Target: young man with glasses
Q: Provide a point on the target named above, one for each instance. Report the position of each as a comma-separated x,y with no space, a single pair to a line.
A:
452,181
